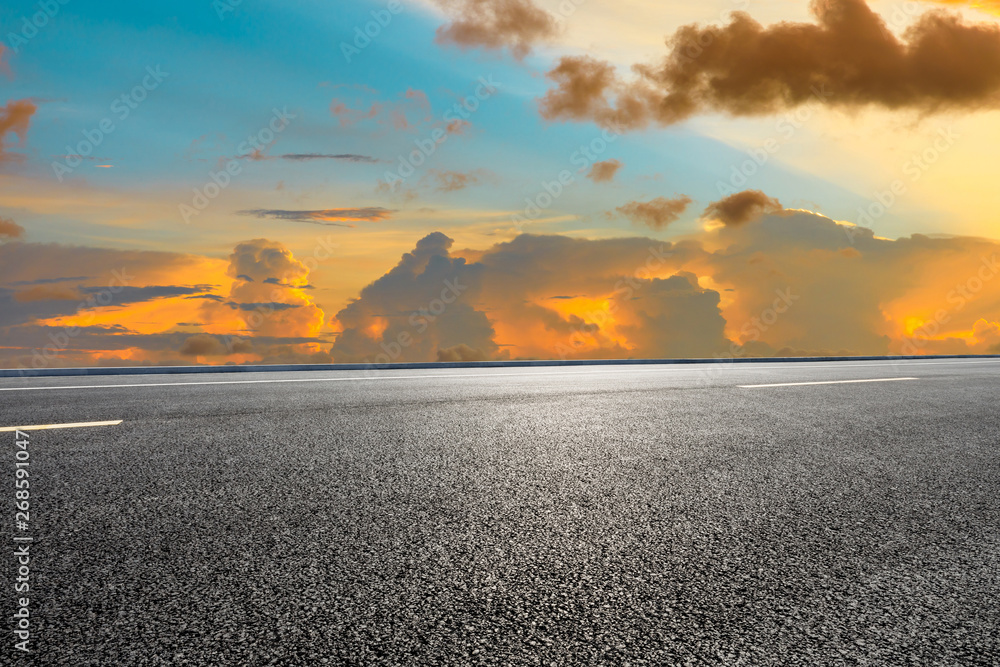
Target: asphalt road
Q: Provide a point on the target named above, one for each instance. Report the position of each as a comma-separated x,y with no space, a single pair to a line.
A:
614,515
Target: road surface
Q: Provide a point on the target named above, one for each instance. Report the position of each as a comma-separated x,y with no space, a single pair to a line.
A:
614,515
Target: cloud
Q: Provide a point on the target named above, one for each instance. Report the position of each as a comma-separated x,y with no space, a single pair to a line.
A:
517,25
420,97
674,317
47,293
10,230
657,213
347,157
461,353
791,284
128,311
458,126
424,305
742,207
453,181
274,302
848,59
15,118
334,217
347,116
268,306
203,345
49,281
604,172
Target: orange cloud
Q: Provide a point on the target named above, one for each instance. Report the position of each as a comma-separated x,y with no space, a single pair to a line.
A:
848,59
15,118
786,284
604,172
657,213
742,207
517,25
156,307
453,181
791,283
10,229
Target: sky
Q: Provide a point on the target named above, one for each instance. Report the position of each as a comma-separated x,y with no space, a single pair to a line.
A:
237,181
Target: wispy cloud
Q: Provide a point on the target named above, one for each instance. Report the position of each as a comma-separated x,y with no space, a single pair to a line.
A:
334,217
347,157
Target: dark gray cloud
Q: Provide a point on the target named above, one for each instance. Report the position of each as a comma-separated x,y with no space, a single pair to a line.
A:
268,306
346,157
334,217
49,281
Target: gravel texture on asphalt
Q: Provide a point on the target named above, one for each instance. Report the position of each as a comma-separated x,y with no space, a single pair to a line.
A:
628,517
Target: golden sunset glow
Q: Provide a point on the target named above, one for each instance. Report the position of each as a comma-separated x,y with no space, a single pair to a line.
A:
630,179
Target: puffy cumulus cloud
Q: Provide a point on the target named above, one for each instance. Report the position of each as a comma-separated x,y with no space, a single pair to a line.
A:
436,305
804,284
461,353
604,172
126,307
269,291
15,118
848,59
742,207
517,25
672,317
657,213
788,283
10,229
424,306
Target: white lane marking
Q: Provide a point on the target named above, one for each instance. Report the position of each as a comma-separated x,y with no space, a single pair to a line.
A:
808,384
621,369
49,427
